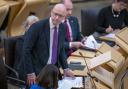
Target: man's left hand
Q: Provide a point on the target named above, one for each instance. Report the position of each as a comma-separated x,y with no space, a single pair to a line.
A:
68,73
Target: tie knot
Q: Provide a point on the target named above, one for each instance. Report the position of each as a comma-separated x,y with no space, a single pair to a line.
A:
55,28
65,21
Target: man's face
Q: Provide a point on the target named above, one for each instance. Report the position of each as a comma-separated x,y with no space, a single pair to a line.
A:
69,9
57,15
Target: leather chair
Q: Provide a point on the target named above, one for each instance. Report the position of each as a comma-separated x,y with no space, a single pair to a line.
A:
89,20
9,49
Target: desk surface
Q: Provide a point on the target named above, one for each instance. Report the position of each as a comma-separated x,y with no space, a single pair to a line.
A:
77,72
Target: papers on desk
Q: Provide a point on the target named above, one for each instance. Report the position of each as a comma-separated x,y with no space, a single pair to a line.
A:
91,42
68,83
111,35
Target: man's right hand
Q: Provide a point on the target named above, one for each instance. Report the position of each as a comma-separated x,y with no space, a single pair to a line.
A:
76,44
31,79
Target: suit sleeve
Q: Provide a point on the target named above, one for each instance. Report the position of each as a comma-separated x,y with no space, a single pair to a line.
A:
62,55
29,41
79,35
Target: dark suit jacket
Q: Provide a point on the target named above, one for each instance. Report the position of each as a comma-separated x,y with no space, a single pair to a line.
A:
76,35
36,47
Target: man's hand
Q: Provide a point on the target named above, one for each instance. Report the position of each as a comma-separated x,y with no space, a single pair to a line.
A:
68,73
109,29
31,79
76,44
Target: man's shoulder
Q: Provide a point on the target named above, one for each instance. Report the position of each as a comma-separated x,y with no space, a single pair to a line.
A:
41,24
72,18
106,8
43,21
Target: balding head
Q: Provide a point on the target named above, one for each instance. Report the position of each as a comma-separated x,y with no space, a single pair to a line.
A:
58,13
69,6
60,8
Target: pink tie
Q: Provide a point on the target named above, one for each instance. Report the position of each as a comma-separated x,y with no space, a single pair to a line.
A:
67,31
68,36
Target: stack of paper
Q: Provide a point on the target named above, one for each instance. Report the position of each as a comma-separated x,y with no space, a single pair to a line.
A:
68,83
91,42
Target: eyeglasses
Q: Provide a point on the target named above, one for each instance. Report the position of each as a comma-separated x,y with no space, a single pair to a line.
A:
57,14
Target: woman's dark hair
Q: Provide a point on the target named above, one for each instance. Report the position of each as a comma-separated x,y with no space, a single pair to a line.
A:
48,77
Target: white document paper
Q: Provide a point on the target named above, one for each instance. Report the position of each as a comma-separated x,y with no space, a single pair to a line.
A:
68,83
91,42
111,35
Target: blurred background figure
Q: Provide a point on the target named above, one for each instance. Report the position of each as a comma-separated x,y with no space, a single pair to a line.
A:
47,78
73,34
31,19
112,18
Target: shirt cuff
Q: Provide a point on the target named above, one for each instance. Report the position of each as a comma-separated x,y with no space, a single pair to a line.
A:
66,69
70,45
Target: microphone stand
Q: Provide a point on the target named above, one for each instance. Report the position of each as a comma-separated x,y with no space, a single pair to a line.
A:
89,72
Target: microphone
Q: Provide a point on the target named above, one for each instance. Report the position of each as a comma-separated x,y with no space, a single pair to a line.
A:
89,72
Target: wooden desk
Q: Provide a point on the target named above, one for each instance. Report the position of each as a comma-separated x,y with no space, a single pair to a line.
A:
77,72
78,59
107,38
86,53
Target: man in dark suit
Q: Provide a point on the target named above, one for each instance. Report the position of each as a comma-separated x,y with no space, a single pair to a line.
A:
40,48
73,35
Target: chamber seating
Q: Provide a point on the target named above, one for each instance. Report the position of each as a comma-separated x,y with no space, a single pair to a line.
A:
10,55
89,17
39,7
3,13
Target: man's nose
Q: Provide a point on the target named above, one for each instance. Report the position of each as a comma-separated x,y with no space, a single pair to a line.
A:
56,17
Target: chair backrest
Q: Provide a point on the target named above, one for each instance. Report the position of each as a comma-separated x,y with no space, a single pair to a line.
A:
10,61
89,17
9,49
39,7
88,20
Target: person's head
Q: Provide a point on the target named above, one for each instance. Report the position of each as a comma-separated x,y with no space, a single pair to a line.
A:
118,5
48,76
31,19
69,6
58,14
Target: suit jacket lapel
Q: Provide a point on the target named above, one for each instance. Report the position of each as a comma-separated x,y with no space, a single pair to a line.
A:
47,32
59,36
71,24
